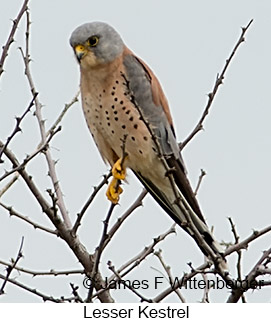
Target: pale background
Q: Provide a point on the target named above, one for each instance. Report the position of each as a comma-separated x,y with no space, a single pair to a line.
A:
186,44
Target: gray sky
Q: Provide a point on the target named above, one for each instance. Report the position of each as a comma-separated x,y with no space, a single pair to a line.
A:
186,44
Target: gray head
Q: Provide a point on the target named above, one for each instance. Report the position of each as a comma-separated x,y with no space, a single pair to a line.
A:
97,40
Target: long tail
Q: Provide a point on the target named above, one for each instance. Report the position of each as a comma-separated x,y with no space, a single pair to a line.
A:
197,222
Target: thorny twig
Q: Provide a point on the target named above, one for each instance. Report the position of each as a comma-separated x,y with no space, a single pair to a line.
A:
137,203
135,261
202,174
158,254
67,106
12,266
32,290
219,80
12,212
119,279
17,126
51,272
244,244
239,255
72,241
207,264
28,158
77,297
99,251
9,184
41,123
10,39
250,278
89,201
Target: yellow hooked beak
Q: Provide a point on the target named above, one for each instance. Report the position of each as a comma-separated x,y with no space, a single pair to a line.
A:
80,51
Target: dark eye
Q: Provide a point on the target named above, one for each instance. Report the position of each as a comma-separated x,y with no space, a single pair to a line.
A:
93,41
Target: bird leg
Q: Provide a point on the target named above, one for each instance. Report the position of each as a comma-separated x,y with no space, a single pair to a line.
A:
119,173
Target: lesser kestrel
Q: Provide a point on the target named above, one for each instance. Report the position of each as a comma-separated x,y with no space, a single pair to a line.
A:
128,116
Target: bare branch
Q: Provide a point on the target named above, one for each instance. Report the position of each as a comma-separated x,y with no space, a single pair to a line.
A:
182,281
10,39
119,279
17,126
12,266
158,254
51,272
205,298
89,201
28,158
12,212
99,251
244,244
239,252
250,278
62,114
32,290
73,242
202,174
41,122
135,261
137,203
9,184
77,297
219,80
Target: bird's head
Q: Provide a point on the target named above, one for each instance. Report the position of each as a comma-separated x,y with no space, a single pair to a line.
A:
96,44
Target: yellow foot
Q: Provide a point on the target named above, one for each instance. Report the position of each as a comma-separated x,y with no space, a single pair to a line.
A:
118,170
114,190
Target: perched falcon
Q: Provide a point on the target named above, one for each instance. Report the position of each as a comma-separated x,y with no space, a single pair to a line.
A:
128,116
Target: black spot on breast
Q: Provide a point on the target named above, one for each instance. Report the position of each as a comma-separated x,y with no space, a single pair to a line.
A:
101,106
135,126
145,138
107,118
108,123
115,112
131,119
117,82
123,126
140,151
112,131
127,112
116,118
116,99
113,107
121,102
123,108
112,93
106,112
133,138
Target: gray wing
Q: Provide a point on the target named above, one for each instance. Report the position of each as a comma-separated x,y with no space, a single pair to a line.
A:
143,85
